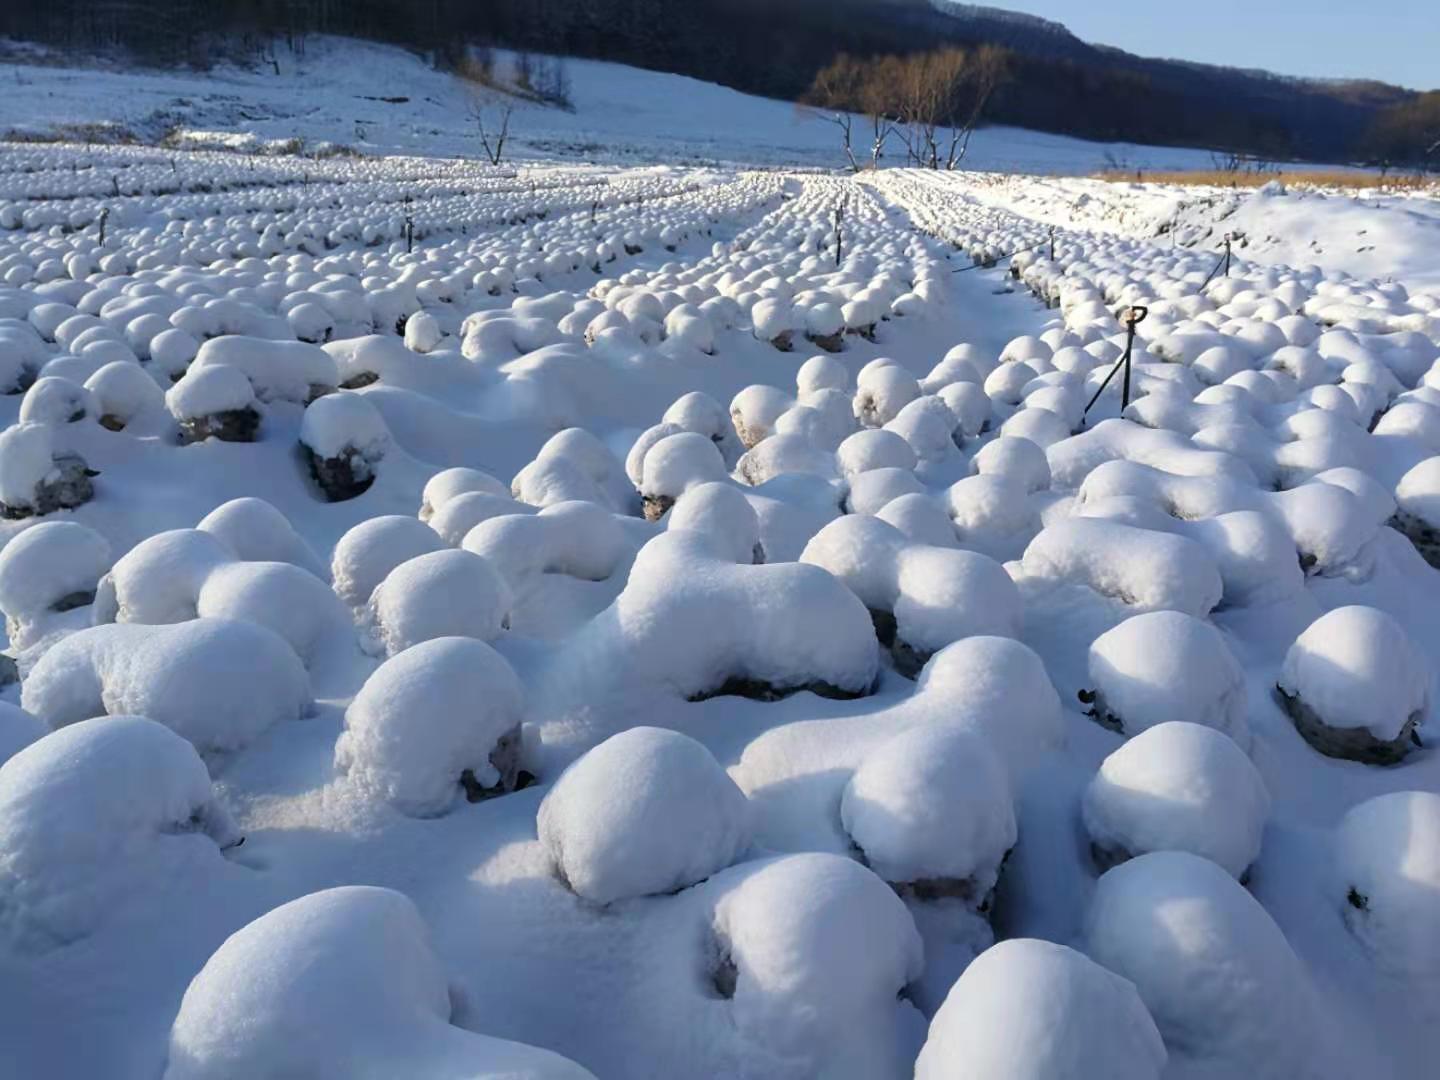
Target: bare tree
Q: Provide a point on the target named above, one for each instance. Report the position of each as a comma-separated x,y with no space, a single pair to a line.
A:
834,93
877,102
491,138
984,72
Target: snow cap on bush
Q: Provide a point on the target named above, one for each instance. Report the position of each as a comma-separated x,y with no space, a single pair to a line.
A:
646,811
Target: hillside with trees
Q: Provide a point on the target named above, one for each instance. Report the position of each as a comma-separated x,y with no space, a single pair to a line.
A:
1052,81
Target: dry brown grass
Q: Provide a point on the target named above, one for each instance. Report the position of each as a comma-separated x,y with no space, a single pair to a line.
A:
1343,178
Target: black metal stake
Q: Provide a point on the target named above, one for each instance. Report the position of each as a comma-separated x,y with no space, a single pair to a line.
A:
839,232
1134,316
1052,243
104,214
1227,254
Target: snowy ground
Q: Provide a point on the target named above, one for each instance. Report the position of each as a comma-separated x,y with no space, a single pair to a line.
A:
703,642
337,92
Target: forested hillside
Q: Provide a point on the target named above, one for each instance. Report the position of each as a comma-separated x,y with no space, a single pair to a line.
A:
1055,82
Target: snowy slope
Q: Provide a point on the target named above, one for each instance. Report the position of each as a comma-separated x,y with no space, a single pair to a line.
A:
1367,231
332,92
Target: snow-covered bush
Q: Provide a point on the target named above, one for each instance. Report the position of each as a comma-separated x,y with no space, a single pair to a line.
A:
1387,884
257,532
293,371
49,568
440,594
214,402
344,439
1034,1010
436,721
999,687
691,619
38,479
1216,973
675,464
1165,665
646,811
365,556
217,683
159,579
1177,786
343,982
93,816
723,513
810,952
124,393
577,539
1356,686
57,400
1141,569
921,598
447,484
930,812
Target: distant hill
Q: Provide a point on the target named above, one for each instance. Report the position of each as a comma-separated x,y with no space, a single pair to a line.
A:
774,47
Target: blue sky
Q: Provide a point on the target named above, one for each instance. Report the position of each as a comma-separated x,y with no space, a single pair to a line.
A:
1394,40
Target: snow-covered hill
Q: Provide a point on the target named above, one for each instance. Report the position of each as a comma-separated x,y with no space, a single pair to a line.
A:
382,99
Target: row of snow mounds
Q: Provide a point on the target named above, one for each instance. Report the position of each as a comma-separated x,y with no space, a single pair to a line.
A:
591,219
788,278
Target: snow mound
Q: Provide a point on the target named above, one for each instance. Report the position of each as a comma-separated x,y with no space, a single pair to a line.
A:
691,619
344,982
1165,665
1136,567
217,683
1216,973
1000,688
440,594
1177,786
366,554
931,812
434,721
922,598
810,951
49,568
1387,874
257,532
647,811
1034,1010
94,815
1356,685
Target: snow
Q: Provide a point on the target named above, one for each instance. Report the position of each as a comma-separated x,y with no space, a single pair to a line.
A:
1033,1010
439,710
346,978
557,435
1216,973
1178,786
813,950
1387,878
45,569
647,811
217,683
439,594
365,556
93,815
1357,668
1165,665
933,803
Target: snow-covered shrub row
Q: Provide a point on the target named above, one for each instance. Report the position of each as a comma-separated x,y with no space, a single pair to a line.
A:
645,489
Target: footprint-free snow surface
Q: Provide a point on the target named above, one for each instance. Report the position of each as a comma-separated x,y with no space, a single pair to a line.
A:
567,621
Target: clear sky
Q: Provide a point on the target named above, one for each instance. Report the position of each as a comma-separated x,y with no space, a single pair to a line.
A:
1397,41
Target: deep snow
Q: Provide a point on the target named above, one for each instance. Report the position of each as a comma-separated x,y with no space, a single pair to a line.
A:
594,661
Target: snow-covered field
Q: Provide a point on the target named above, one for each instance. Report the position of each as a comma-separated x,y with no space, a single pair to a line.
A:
624,621
381,99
